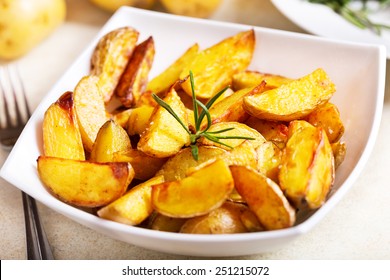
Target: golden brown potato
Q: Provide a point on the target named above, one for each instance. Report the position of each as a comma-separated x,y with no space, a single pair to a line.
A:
307,167
165,223
113,5
60,130
110,57
192,8
111,138
274,131
138,119
195,195
268,160
90,109
165,136
247,79
177,166
169,76
214,67
230,109
339,151
328,117
84,183
226,219
134,79
145,167
293,100
264,198
134,206
121,116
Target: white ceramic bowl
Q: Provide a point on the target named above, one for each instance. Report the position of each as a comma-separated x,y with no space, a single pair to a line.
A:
358,71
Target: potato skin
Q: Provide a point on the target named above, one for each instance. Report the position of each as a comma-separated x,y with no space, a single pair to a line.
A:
25,24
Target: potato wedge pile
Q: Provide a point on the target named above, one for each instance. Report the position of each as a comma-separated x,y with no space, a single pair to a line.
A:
135,164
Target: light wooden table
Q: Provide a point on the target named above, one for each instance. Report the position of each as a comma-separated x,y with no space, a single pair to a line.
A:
357,228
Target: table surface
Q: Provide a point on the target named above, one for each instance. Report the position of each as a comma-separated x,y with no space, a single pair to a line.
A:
357,228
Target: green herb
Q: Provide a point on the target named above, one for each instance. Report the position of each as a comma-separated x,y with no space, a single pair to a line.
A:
358,16
199,132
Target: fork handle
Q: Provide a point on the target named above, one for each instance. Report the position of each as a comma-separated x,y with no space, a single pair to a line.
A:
38,247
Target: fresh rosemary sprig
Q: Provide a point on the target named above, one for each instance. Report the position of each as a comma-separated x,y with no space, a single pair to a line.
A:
199,132
359,17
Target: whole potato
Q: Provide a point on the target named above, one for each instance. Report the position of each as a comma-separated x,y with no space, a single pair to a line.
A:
24,23
113,5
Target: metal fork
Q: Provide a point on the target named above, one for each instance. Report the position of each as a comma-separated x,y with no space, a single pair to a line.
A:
14,117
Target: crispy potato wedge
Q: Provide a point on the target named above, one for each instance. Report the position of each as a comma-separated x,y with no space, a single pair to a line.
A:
170,75
328,117
247,79
339,151
111,138
269,156
195,195
243,154
146,99
121,116
145,167
83,183
214,67
230,109
165,136
165,223
110,58
90,109
134,79
60,130
274,131
264,198
293,100
134,206
307,167
138,119
226,219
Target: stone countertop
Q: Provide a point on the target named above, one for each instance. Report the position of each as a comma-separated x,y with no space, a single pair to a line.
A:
357,228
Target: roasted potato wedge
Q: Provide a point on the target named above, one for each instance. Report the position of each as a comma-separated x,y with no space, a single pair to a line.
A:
249,79
293,100
214,67
274,131
138,119
225,219
145,167
110,58
165,223
269,156
307,167
111,139
165,136
195,195
134,206
339,152
60,130
169,76
328,117
84,183
264,198
90,109
134,79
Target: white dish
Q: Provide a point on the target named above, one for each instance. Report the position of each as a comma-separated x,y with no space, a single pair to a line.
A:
358,70
321,20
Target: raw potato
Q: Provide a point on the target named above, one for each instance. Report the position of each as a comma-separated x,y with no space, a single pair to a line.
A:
218,64
307,167
226,219
110,58
195,195
90,109
111,139
264,198
169,76
134,79
192,8
84,183
293,100
248,79
113,5
60,129
145,167
24,24
165,136
134,206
